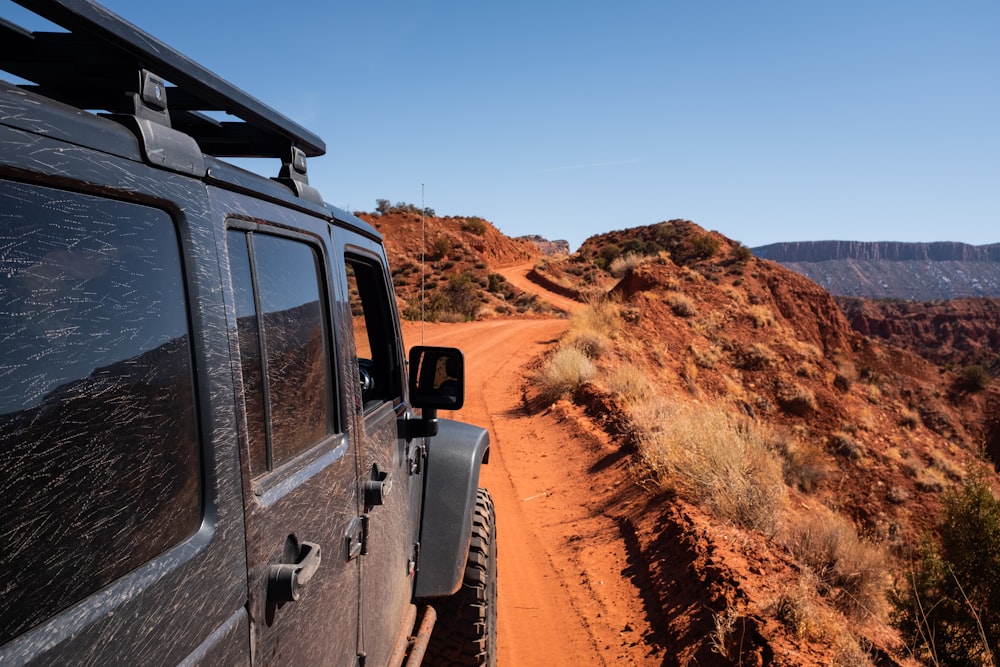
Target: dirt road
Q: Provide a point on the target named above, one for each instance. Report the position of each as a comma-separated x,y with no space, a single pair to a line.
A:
564,594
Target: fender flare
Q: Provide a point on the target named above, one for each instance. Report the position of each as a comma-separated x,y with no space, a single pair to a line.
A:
451,481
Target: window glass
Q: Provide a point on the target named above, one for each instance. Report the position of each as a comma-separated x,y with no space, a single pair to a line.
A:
249,350
283,346
374,333
98,436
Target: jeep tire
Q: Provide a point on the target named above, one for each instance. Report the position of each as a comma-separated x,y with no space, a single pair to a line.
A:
466,631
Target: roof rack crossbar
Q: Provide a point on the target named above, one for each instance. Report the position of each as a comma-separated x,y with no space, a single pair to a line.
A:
97,65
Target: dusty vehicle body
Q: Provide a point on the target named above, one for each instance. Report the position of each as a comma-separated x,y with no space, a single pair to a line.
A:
213,447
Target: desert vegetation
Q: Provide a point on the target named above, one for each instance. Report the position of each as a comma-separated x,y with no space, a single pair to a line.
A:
827,473
777,429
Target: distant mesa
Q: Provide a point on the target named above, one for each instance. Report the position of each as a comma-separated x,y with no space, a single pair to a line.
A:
893,269
558,247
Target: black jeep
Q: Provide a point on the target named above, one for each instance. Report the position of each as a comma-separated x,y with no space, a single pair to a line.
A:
212,447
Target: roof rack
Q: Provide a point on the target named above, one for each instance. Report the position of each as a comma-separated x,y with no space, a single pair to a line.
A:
105,63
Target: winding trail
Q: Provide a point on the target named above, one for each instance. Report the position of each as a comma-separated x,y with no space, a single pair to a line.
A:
565,597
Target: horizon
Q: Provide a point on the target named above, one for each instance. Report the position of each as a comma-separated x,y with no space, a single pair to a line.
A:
776,123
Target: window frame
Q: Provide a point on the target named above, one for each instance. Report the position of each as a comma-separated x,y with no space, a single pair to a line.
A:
185,548
280,477
386,321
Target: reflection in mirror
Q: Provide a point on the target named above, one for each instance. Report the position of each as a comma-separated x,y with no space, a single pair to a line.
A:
437,377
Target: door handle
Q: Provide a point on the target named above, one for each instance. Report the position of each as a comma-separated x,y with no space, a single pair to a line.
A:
285,581
377,488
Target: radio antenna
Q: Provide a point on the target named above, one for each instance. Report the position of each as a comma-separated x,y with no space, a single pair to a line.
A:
423,259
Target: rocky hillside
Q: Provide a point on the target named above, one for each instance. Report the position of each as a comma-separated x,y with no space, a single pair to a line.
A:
859,440
916,271
953,334
844,443
454,259
547,247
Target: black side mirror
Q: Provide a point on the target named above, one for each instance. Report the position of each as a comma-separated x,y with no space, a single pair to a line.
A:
437,378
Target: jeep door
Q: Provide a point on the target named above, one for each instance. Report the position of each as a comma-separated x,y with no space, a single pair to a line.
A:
121,537
299,466
390,466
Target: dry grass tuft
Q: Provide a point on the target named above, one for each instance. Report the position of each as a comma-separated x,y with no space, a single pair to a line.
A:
681,304
715,458
850,572
909,419
630,383
625,263
762,316
564,372
601,316
801,609
805,464
843,444
797,400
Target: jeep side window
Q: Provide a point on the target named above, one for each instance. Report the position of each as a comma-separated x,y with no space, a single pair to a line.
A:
374,333
283,346
98,433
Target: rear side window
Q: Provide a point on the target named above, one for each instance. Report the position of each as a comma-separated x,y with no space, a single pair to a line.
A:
98,440
374,333
283,346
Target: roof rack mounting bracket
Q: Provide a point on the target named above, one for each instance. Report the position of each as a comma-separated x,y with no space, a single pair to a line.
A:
293,174
151,100
165,147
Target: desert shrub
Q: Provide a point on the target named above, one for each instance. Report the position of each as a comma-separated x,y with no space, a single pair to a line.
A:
610,253
909,419
804,466
706,245
496,282
740,253
442,246
714,457
843,444
849,571
762,316
592,343
563,373
462,295
974,378
797,400
625,263
629,382
950,611
634,247
680,304
434,305
474,225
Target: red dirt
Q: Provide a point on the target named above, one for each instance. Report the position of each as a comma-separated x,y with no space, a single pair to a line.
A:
597,567
565,594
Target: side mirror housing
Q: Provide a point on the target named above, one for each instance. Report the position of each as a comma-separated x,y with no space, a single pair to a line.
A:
437,379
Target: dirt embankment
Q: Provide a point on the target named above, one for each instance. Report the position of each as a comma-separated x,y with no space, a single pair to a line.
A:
599,565
566,593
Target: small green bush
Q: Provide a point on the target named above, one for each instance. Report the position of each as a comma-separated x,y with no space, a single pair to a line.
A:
950,612
610,253
706,245
442,246
740,253
475,225
496,282
974,378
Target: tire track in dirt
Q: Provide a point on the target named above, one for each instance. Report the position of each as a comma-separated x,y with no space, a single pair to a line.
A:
565,592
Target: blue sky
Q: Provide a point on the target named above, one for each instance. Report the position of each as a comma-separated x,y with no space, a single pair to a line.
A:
768,121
